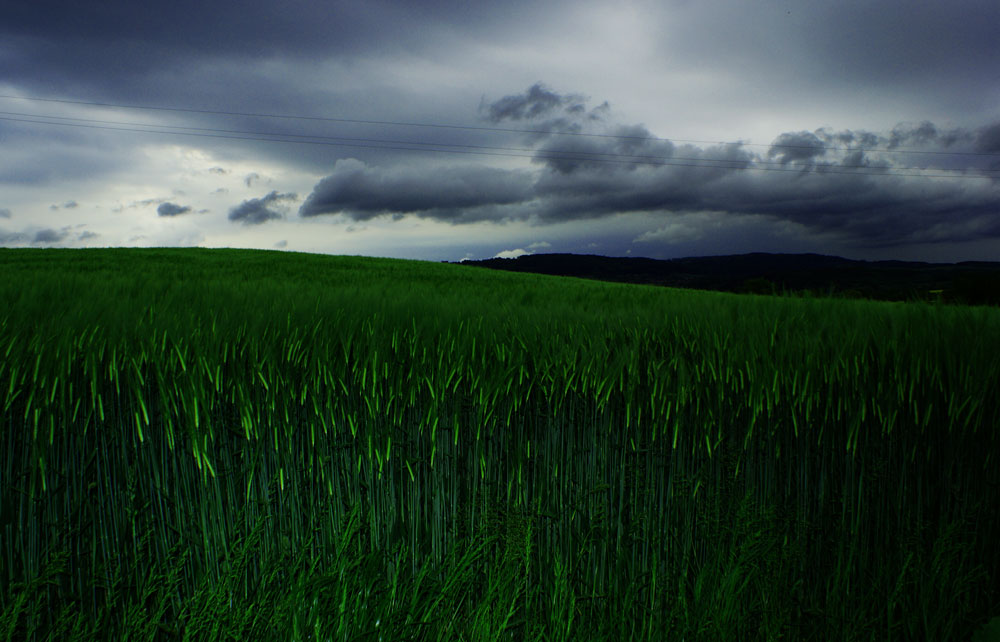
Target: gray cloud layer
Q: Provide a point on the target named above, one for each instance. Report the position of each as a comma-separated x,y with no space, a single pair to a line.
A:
63,45
388,60
824,180
218,53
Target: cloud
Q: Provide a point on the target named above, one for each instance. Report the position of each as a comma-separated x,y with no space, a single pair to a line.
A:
218,170
510,254
88,235
856,204
12,237
513,254
624,147
174,34
988,139
49,235
260,210
250,178
927,136
145,202
563,113
801,147
673,232
67,205
454,194
535,102
707,228
172,209
281,244
847,52
5,212
873,189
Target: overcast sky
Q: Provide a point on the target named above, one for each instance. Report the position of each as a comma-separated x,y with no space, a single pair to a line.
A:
673,128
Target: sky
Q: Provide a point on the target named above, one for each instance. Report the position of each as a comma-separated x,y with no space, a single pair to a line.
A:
446,130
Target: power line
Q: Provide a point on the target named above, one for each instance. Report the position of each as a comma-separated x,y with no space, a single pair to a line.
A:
583,155
490,129
823,169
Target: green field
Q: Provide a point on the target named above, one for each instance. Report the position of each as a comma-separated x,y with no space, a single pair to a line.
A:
251,445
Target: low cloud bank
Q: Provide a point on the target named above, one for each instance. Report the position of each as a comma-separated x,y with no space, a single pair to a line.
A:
916,183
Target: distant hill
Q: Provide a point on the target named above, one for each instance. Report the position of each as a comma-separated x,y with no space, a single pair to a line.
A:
969,282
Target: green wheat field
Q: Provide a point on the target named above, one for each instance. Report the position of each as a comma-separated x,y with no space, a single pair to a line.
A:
223,445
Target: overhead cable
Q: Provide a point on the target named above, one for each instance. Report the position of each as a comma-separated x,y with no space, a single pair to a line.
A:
482,128
735,164
583,155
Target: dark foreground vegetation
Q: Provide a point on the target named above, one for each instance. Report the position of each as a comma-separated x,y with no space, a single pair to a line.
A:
968,283
242,445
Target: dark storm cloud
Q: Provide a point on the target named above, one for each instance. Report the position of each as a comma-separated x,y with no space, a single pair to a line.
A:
260,29
49,235
172,209
449,194
117,46
801,147
926,133
5,212
808,178
870,188
317,59
260,210
988,139
941,56
626,147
